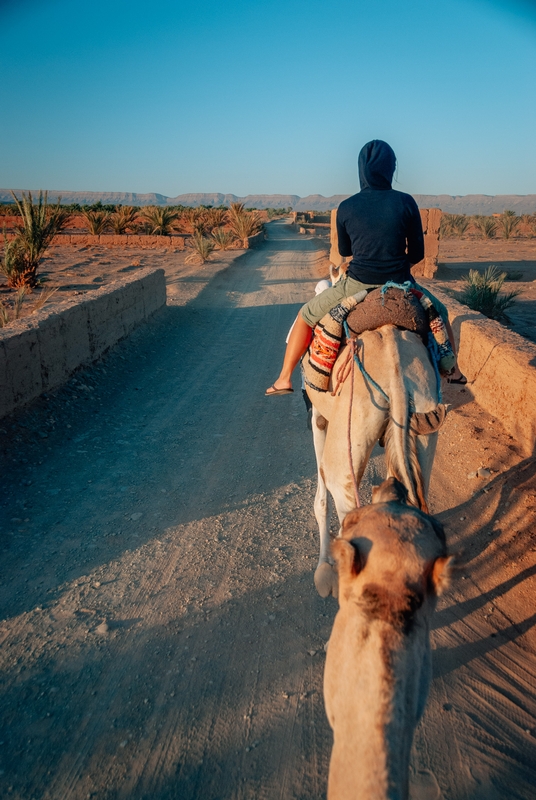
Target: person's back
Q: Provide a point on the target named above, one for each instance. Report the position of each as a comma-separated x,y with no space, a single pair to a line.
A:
379,227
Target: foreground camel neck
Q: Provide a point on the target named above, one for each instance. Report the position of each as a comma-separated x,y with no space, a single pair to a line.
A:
371,707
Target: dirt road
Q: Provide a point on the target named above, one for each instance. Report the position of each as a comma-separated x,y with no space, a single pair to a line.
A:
160,634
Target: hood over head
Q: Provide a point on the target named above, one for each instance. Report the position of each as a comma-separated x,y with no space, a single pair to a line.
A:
376,164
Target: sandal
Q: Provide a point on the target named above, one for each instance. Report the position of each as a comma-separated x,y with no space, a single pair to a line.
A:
275,391
461,381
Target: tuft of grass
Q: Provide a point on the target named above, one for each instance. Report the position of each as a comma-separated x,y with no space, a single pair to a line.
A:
5,316
9,314
39,224
201,248
224,239
159,220
44,297
482,293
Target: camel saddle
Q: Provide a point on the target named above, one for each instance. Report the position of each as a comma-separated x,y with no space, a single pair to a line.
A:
394,307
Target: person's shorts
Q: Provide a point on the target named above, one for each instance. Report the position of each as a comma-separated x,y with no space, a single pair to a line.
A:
313,311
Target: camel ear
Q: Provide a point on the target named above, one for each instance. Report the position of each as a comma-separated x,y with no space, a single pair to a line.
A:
441,573
348,558
390,491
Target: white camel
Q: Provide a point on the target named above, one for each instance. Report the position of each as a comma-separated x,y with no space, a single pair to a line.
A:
399,405
392,562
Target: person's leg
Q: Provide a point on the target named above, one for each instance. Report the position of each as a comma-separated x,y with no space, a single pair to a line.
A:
442,309
298,342
302,332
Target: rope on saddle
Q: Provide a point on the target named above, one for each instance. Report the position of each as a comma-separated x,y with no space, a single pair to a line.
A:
368,378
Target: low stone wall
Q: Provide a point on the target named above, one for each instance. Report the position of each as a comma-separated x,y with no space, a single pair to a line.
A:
40,352
112,240
129,240
500,367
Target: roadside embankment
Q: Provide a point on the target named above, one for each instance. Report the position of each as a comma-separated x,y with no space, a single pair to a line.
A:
38,353
500,367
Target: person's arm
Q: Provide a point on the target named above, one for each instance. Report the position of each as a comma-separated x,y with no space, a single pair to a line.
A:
415,236
345,244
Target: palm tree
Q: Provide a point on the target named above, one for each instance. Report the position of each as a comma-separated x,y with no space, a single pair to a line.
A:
124,219
97,221
487,226
509,222
243,223
159,219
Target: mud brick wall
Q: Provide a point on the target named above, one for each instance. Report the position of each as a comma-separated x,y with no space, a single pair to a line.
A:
500,367
40,352
431,220
111,240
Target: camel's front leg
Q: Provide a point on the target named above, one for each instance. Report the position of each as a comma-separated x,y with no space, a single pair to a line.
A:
325,577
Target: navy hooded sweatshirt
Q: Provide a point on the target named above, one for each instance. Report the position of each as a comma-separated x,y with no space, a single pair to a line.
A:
379,227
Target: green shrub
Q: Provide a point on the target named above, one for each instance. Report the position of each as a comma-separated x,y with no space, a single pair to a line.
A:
201,248
481,293
39,224
224,239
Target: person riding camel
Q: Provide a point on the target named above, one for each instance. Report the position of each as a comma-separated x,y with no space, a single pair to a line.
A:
381,229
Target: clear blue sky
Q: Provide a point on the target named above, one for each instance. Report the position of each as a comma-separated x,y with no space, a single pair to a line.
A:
275,97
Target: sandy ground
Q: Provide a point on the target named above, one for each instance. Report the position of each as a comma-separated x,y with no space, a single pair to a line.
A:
458,256
74,271
161,635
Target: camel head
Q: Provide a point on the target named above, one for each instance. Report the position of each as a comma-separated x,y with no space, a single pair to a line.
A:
393,551
392,564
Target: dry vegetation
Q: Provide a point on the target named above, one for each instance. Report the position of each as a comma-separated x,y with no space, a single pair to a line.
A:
35,224
505,225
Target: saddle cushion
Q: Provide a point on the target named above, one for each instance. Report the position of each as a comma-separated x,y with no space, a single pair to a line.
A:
396,307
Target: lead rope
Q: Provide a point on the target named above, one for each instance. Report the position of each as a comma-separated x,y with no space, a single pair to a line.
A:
352,344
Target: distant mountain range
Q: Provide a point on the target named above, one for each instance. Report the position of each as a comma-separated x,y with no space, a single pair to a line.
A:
458,204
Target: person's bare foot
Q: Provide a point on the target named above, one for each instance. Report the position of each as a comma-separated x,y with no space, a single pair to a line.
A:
279,387
457,377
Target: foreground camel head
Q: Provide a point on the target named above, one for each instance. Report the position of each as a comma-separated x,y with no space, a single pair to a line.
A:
393,563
